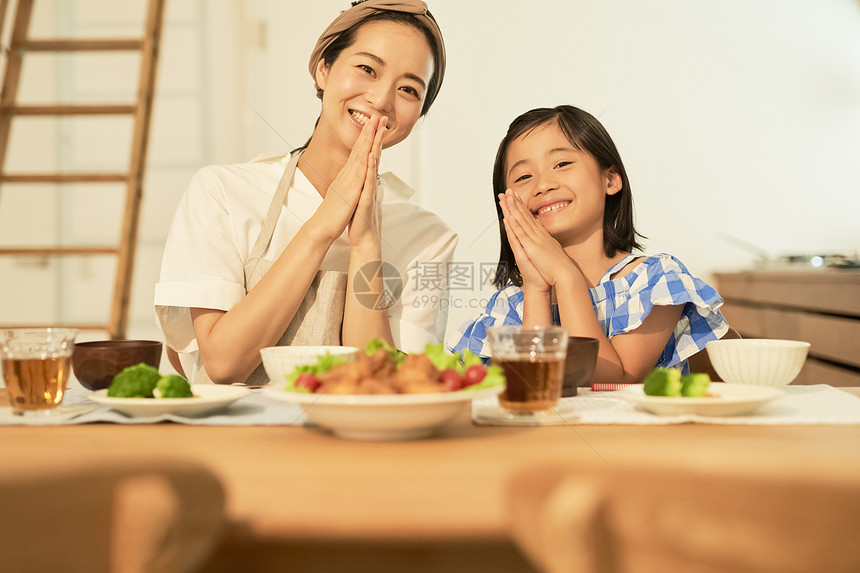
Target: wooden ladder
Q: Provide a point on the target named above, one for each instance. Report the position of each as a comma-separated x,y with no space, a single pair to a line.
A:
148,46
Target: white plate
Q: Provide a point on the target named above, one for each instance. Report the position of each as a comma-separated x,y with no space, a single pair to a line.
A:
382,417
207,399
727,400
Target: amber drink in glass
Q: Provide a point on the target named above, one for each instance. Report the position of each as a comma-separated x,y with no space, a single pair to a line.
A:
36,363
533,363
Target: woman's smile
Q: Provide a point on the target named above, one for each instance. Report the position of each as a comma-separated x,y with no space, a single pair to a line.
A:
360,118
383,73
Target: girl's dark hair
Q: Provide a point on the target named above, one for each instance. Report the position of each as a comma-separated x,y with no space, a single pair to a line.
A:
347,39
585,133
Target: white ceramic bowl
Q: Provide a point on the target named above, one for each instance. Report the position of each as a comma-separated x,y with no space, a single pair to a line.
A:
382,417
280,361
756,361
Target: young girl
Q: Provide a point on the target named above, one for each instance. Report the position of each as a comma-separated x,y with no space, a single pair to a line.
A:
313,248
566,221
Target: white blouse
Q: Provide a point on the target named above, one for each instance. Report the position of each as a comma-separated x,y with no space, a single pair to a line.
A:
218,221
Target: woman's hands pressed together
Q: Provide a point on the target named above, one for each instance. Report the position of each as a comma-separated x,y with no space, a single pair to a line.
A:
364,227
230,341
361,323
353,191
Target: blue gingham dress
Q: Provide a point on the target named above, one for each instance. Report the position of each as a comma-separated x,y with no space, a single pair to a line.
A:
621,305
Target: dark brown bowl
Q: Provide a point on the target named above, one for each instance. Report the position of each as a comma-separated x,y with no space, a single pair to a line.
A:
579,364
96,363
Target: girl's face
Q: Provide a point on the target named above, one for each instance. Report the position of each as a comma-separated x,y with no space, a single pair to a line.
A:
562,186
385,72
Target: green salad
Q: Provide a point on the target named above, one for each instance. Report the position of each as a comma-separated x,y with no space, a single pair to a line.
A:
475,375
457,371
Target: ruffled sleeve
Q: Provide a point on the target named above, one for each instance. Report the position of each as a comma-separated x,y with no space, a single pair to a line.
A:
663,280
504,308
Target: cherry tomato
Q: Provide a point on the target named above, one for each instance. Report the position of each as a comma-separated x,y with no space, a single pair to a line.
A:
308,380
474,374
452,379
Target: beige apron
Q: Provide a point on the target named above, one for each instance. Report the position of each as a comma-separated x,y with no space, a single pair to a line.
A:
319,317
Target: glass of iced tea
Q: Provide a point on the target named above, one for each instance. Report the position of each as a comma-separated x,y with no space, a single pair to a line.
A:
36,363
533,362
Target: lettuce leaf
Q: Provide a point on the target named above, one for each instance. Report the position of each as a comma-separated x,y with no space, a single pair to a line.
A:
323,364
376,343
459,361
495,377
469,359
441,359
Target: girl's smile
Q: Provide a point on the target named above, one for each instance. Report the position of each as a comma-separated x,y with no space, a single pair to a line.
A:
550,207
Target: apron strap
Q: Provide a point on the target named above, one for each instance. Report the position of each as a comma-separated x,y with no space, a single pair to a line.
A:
268,227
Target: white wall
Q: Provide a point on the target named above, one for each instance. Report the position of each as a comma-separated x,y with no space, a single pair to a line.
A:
737,118
196,120
740,117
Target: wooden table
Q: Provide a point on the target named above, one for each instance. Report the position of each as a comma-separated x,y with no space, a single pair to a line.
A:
299,497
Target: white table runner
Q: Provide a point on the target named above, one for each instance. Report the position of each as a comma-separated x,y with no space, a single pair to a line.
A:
252,410
800,405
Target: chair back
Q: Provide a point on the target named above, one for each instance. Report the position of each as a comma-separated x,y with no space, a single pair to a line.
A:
644,520
134,516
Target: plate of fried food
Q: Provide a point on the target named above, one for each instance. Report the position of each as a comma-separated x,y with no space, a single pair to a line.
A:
386,395
666,393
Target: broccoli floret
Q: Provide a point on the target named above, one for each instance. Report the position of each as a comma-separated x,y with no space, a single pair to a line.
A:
695,385
136,381
173,386
663,382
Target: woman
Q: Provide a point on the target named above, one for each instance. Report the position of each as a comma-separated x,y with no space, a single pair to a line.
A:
288,250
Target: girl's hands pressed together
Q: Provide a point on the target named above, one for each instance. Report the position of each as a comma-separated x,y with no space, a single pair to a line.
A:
544,259
532,277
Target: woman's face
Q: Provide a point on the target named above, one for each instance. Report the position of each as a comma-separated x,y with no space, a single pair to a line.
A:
562,186
385,72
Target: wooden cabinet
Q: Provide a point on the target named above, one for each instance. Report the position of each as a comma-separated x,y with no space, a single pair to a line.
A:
821,307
